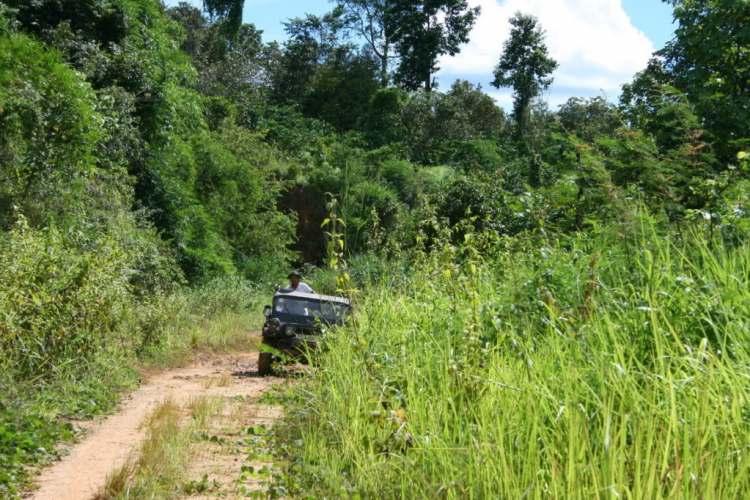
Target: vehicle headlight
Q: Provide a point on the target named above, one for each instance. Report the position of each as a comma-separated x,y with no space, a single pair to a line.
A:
289,330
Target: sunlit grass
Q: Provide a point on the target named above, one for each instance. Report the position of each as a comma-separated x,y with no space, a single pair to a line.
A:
222,333
157,460
159,465
556,372
203,407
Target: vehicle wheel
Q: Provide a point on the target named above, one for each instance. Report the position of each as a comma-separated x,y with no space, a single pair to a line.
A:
264,364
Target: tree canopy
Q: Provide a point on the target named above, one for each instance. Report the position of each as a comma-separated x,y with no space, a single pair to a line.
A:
709,60
424,30
525,65
367,19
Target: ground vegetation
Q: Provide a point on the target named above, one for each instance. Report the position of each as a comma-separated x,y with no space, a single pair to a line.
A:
162,167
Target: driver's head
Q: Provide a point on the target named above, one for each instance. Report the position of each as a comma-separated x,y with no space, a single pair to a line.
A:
294,279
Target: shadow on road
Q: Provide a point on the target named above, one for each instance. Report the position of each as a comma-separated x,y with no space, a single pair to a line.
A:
291,372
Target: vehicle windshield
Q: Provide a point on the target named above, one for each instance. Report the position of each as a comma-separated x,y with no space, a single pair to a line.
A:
329,311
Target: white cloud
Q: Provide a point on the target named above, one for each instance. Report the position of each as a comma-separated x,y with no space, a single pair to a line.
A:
594,41
503,98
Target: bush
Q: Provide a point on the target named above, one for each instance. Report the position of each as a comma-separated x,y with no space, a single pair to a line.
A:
402,177
369,205
471,156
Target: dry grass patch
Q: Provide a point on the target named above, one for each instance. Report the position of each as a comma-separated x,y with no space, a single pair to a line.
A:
158,467
203,408
225,381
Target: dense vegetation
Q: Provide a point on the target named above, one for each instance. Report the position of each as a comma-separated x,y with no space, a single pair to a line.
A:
611,364
577,275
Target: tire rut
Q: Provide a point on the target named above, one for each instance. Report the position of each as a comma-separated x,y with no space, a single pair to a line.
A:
108,443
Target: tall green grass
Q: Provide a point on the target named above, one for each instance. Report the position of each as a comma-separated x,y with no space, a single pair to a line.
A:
608,366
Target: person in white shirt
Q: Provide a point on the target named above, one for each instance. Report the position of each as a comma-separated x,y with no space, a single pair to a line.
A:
295,285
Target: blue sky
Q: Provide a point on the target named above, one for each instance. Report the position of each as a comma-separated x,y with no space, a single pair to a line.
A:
653,17
599,44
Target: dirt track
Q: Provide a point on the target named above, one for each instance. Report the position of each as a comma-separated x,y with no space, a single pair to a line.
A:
108,443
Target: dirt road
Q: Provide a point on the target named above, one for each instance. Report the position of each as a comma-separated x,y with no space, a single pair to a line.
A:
109,442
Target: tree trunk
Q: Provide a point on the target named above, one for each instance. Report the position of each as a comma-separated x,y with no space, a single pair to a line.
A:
428,80
384,67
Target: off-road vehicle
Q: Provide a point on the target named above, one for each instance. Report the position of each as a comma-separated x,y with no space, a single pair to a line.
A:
294,322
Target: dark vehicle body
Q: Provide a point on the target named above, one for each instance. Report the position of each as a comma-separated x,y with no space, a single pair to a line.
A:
295,320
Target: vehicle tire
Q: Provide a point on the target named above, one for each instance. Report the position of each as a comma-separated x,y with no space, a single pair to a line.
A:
265,359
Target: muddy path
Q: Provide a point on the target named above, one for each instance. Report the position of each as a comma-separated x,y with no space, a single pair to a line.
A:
108,443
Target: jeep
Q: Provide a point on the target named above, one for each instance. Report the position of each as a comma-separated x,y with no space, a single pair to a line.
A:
294,321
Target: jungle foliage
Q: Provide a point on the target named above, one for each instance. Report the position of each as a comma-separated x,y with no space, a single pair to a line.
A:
160,164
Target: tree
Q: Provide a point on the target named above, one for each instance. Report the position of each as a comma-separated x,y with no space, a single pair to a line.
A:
642,99
382,123
589,118
484,118
195,25
318,70
709,59
423,30
367,19
228,10
229,67
342,88
524,65
312,40
429,126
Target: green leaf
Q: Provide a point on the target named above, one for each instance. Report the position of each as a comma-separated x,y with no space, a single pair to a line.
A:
256,430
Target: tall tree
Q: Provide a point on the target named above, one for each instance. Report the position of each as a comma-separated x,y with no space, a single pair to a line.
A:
642,98
709,59
206,42
342,88
423,30
525,65
195,25
312,40
228,10
367,19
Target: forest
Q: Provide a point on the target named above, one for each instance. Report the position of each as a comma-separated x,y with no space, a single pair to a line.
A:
550,303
